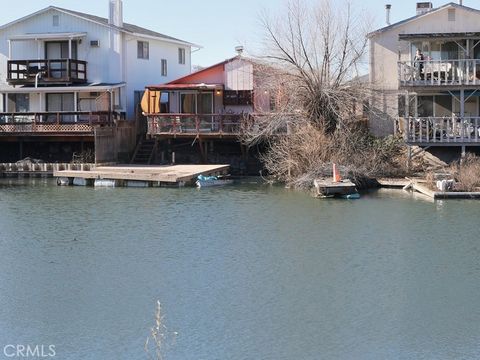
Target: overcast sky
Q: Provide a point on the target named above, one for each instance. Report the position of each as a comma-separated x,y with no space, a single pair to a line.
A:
217,25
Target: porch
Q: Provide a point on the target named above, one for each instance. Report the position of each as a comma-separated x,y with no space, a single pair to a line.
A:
46,58
439,73
440,117
196,124
50,123
441,130
439,59
43,72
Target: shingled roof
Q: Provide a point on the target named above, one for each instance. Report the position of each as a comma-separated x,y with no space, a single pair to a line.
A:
129,28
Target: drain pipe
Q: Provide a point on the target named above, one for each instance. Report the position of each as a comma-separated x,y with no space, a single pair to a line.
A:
36,78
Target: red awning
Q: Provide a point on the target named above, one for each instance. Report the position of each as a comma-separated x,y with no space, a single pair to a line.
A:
173,87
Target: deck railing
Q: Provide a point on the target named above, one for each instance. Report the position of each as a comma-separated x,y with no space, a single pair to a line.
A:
439,72
195,123
21,72
441,129
53,122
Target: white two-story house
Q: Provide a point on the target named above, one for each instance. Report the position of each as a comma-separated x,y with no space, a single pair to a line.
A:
63,72
425,71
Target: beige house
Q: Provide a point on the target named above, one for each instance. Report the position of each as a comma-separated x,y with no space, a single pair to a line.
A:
425,71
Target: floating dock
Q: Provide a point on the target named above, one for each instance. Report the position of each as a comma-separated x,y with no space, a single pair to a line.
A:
326,188
20,169
422,188
145,175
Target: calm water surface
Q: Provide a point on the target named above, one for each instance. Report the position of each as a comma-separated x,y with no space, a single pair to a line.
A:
245,272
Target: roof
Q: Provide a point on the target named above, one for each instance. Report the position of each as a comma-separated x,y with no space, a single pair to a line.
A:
186,87
237,57
458,35
128,28
397,24
59,89
48,36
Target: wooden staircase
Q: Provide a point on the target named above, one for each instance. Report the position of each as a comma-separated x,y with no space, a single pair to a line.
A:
144,152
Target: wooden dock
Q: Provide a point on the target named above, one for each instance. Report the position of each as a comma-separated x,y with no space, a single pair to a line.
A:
421,188
153,175
326,188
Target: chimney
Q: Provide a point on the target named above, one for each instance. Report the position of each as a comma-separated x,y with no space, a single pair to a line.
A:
115,13
387,13
424,7
239,50
460,2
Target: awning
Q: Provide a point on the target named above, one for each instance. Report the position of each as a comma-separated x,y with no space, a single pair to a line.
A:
173,87
446,36
48,36
61,89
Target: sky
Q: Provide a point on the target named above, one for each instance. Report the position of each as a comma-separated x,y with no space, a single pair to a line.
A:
217,25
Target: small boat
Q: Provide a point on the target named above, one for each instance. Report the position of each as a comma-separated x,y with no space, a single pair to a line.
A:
207,181
353,196
64,181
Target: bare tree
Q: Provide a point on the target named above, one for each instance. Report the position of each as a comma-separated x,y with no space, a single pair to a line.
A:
313,56
320,49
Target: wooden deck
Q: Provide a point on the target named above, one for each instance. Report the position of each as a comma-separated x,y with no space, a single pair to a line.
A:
166,174
329,188
421,188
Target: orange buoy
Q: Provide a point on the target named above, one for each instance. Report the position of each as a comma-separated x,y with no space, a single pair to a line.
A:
336,174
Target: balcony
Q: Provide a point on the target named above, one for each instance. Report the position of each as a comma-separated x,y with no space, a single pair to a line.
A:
53,123
444,73
441,130
62,71
195,124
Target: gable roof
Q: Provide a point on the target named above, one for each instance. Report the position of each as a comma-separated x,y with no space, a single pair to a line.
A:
204,70
128,28
405,21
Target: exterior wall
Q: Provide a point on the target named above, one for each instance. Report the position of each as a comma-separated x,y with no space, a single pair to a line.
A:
238,75
99,59
114,61
142,72
386,50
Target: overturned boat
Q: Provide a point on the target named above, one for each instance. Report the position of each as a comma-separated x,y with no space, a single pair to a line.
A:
207,181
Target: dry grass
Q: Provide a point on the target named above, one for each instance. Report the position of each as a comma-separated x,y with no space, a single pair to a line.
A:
467,173
309,153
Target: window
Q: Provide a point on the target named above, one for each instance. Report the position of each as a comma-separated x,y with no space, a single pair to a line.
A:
164,67
237,97
181,56
18,102
188,103
451,14
56,20
142,50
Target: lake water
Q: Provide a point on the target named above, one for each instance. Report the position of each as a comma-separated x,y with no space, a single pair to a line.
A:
244,272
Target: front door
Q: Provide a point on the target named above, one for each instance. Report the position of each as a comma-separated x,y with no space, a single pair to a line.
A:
205,108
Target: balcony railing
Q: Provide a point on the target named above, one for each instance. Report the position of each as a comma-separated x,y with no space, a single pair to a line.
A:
194,124
53,122
441,129
439,72
21,72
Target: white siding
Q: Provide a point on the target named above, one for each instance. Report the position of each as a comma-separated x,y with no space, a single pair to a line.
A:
386,50
142,72
114,61
239,75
